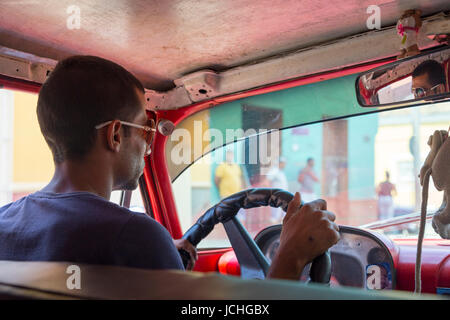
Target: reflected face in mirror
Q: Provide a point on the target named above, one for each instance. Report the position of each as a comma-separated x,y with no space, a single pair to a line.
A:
421,77
428,79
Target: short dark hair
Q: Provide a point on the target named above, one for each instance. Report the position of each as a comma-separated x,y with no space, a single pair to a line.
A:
433,69
80,93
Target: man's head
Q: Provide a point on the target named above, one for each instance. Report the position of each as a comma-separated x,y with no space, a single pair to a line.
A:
310,162
428,79
82,92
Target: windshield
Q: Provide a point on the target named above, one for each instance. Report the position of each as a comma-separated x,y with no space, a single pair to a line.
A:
210,129
364,165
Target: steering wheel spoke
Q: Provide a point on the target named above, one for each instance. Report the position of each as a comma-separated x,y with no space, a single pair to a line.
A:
253,263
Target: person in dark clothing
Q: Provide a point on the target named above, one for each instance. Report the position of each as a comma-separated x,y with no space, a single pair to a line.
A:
92,114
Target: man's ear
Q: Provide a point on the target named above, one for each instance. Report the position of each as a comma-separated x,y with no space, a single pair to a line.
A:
113,136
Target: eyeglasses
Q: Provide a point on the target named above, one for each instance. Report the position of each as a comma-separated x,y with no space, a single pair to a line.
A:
148,131
421,92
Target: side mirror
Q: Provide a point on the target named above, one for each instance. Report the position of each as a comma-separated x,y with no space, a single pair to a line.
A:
422,78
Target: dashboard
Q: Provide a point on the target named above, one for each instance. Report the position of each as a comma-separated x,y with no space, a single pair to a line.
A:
360,259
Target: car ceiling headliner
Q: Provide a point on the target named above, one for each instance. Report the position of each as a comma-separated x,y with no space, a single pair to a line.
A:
160,41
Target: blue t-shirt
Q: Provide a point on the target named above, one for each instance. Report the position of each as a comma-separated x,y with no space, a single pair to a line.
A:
85,228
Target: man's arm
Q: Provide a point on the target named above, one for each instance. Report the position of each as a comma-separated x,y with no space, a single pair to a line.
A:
307,233
301,176
394,190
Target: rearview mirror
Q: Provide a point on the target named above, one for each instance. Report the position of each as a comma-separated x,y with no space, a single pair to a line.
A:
420,78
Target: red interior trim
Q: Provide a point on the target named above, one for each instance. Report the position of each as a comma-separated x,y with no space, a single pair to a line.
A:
209,260
304,81
151,190
19,84
435,264
228,264
162,189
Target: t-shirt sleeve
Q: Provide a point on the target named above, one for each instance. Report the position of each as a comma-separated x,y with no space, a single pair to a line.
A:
144,243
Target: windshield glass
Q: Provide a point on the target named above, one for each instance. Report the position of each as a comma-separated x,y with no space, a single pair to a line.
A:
364,165
210,129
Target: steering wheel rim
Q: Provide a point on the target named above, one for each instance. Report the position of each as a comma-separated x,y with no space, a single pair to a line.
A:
243,244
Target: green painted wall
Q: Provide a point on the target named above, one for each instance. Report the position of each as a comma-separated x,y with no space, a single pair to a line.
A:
361,156
306,104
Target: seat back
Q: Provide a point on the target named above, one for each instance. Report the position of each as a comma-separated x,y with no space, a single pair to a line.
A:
48,280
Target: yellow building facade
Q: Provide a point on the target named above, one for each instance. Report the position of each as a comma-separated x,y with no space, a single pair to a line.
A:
25,153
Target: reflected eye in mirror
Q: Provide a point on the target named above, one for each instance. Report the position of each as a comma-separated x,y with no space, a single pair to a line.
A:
421,92
420,78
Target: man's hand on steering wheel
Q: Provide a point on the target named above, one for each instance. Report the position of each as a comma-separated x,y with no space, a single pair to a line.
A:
307,232
184,244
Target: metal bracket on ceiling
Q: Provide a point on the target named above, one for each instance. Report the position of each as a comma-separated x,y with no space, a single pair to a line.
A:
167,100
16,64
195,87
200,85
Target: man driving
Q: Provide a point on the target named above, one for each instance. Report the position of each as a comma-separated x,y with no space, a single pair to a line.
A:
428,79
92,114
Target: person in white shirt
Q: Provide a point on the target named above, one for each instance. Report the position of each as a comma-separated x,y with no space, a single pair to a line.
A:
277,179
307,179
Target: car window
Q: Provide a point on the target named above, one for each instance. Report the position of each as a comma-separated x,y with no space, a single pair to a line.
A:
134,203
26,163
365,166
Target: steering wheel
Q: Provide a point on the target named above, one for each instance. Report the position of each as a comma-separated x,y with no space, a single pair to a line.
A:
253,263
